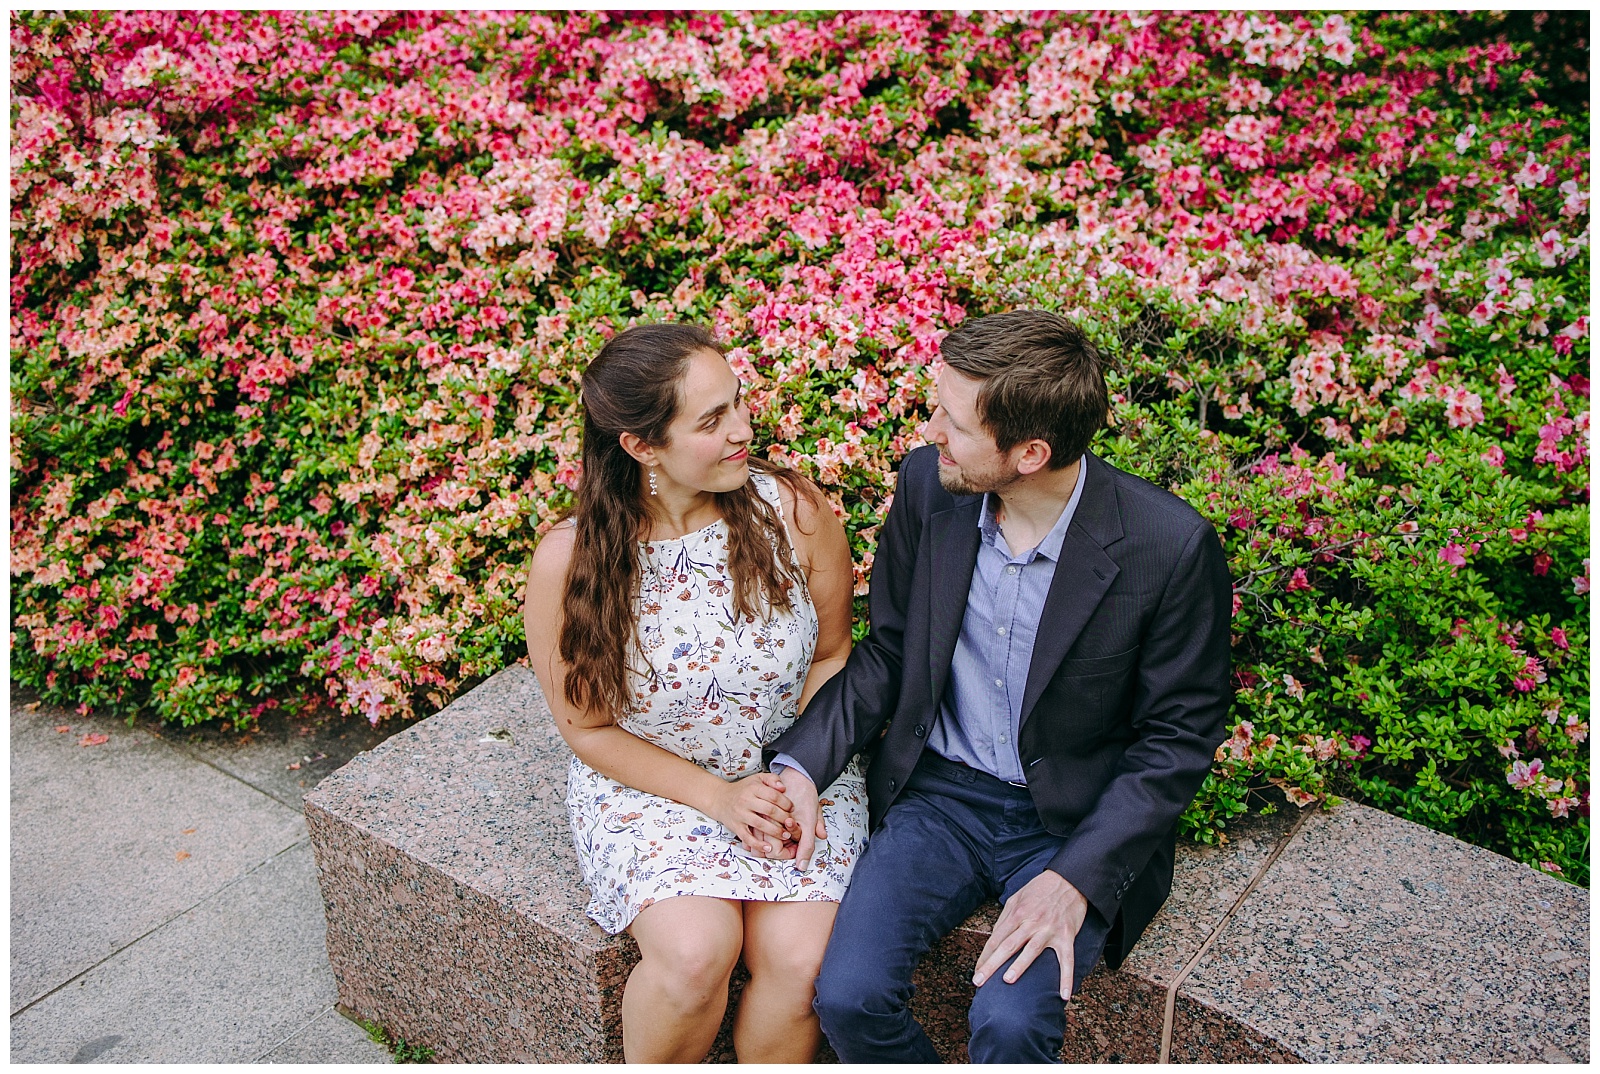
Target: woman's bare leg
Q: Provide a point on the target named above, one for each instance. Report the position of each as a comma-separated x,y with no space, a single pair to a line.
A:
676,996
783,945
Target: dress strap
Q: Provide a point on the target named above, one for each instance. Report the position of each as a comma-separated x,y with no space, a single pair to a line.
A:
767,487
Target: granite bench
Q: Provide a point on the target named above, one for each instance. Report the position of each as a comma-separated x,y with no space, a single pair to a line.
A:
455,920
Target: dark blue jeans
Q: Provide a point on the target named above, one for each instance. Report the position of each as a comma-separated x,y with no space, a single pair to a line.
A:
953,839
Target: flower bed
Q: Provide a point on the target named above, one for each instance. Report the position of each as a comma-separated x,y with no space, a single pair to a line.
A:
300,301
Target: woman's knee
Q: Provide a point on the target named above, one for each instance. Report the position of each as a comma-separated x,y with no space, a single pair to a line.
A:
696,973
696,953
787,941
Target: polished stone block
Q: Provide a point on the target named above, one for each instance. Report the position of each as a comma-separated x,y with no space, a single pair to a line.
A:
1372,939
455,920
455,906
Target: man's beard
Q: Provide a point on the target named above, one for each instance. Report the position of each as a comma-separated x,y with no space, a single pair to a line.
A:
959,482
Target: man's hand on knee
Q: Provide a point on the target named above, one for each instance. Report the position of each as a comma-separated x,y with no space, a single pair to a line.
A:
1047,912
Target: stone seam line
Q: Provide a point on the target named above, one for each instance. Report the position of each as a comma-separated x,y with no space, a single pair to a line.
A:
330,1009
1183,975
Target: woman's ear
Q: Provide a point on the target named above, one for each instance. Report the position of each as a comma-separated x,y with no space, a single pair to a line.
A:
641,452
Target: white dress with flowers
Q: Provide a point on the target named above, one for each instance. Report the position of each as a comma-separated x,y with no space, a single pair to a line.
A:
713,688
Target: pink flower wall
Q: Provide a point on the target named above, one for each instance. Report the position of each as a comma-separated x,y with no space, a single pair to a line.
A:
300,300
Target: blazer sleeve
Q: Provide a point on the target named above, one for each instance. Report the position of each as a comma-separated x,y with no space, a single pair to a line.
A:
849,710
1181,700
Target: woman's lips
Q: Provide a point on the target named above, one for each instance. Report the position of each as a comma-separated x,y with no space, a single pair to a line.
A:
738,456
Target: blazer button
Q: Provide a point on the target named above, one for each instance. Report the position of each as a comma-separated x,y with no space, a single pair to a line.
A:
893,784
919,730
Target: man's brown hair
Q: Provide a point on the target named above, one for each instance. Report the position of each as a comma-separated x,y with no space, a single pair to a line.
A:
1042,379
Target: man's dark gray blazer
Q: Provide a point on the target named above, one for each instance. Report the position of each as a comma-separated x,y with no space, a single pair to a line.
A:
1127,691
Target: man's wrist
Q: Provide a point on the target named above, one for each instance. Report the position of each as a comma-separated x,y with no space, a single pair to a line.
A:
784,761
1076,903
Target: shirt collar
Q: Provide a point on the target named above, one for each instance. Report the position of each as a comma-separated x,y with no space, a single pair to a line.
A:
1050,547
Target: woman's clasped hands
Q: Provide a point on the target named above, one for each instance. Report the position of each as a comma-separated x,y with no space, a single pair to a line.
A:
757,810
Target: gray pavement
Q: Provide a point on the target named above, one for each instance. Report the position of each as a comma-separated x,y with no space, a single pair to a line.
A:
164,902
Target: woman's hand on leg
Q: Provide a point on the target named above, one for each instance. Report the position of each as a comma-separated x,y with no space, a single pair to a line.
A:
757,810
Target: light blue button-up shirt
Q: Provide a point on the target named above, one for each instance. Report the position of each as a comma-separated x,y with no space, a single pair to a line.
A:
981,710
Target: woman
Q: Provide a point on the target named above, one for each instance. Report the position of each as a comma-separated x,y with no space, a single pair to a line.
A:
690,606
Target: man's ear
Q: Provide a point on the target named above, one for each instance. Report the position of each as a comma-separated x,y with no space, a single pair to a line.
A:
1033,456
642,452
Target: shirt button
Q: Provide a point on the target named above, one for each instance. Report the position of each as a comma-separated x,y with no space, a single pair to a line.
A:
1004,739
1011,570
1000,630
1000,683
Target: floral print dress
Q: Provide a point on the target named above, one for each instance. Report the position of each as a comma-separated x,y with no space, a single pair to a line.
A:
714,688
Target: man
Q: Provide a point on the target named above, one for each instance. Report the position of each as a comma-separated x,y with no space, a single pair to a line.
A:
1049,651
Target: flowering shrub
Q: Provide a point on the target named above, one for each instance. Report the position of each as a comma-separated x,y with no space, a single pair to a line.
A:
300,301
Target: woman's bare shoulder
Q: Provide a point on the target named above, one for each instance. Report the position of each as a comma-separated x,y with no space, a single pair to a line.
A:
554,552
813,526
803,501
800,496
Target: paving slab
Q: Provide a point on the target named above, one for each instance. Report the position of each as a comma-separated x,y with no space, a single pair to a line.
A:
230,981
282,757
112,840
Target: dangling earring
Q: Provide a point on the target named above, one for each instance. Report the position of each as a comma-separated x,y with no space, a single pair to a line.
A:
655,490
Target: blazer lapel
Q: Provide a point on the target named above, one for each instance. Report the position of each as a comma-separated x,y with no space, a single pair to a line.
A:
954,536
1083,575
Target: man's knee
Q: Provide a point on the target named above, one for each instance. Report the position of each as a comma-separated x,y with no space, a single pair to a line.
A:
1018,1023
852,990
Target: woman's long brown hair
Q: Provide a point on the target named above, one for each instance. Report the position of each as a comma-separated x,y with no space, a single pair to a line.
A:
632,386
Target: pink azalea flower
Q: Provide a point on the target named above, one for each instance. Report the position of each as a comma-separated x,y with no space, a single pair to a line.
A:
1560,806
1299,797
1524,774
